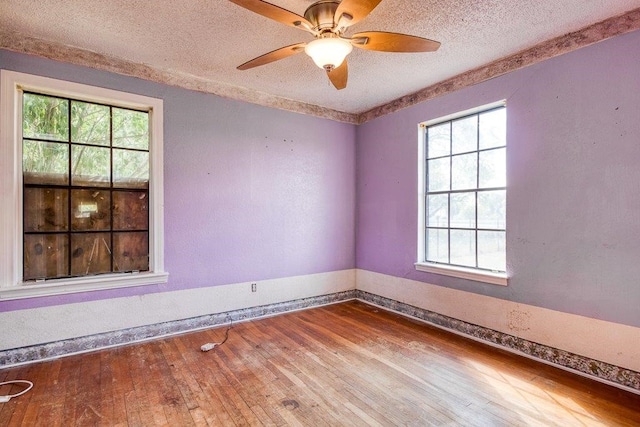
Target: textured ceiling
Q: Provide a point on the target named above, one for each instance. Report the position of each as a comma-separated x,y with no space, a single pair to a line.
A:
206,40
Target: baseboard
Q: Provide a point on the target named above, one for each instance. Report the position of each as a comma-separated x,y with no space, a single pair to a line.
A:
64,321
53,350
607,373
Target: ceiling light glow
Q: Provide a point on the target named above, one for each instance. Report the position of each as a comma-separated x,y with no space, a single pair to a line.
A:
329,52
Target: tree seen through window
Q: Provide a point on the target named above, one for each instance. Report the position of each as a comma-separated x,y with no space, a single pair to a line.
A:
85,188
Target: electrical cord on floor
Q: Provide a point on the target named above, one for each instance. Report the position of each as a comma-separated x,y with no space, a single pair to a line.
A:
4,399
211,345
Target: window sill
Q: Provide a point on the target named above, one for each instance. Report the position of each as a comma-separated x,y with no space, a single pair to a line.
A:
463,273
82,284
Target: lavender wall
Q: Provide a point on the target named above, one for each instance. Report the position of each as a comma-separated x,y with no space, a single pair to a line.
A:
251,193
573,200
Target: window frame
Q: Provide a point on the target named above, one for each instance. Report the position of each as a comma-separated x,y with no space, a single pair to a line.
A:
470,273
12,85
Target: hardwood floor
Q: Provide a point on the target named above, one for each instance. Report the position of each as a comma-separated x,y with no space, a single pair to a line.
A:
344,364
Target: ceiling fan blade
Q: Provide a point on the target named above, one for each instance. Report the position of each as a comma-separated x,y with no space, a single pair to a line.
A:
338,76
276,13
356,9
393,42
274,55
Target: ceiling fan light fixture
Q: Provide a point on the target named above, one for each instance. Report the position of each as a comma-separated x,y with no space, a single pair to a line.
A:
327,20
329,52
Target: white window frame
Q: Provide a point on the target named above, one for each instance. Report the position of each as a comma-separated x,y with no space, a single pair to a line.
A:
12,85
478,275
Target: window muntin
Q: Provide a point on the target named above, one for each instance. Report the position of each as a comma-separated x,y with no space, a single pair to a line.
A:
132,171
85,188
465,191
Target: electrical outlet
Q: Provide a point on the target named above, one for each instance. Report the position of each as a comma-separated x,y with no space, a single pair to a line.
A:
254,287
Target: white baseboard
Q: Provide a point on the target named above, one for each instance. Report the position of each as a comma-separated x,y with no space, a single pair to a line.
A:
24,328
600,340
604,351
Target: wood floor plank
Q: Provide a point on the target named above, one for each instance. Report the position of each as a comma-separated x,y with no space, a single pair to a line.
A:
347,364
404,399
23,409
346,381
71,387
146,384
365,371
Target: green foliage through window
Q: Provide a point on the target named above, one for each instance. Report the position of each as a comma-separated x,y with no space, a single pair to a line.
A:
86,188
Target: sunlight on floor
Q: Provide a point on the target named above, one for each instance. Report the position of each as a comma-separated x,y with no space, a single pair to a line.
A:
534,400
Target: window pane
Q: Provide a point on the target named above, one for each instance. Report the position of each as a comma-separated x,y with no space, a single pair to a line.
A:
493,171
437,245
438,210
90,165
130,129
45,256
491,250
477,163
131,251
464,135
91,210
45,162
90,253
89,123
45,117
438,140
130,169
463,210
463,247
493,128
46,209
492,209
464,171
130,210
438,175
75,155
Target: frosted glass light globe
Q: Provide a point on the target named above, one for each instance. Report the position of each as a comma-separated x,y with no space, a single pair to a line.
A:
328,53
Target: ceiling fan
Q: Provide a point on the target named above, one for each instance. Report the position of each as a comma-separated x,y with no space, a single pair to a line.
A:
328,20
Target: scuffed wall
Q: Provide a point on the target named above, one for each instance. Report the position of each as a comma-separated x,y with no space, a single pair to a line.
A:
573,205
251,193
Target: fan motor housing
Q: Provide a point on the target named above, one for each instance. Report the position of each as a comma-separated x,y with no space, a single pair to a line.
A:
321,14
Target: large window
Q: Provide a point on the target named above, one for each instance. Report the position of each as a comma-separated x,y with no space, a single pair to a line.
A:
463,212
82,188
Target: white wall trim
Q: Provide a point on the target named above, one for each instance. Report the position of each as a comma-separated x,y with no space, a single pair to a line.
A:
82,284
469,273
572,370
609,342
463,273
12,84
154,316
42,325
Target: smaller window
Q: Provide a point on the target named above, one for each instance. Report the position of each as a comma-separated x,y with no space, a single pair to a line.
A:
85,188
81,168
463,198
